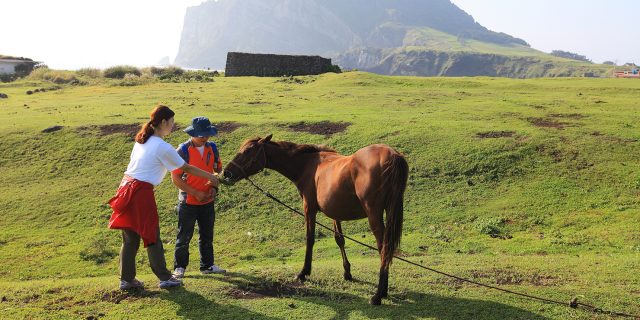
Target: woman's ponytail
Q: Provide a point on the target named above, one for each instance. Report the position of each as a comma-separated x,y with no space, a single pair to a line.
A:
158,114
145,133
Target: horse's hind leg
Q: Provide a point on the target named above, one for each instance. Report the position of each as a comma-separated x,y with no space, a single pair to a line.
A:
337,228
376,223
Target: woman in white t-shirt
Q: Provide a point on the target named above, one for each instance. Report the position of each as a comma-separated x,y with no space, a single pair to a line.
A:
134,207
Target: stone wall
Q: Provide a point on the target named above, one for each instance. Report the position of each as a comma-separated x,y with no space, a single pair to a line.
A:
271,65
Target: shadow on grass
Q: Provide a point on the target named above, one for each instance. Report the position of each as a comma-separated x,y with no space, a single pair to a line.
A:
195,306
406,304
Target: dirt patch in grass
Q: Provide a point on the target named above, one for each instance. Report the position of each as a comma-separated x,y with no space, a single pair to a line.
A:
30,299
227,127
495,134
325,128
546,123
613,139
129,129
261,290
117,296
567,115
108,129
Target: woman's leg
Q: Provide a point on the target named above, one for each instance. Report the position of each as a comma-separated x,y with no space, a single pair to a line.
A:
157,261
128,251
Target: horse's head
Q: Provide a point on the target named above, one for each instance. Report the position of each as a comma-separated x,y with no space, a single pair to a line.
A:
250,160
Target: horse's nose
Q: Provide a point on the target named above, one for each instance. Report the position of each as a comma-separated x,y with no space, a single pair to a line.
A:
226,177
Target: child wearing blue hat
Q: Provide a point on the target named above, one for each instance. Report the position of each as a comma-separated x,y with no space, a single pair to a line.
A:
196,197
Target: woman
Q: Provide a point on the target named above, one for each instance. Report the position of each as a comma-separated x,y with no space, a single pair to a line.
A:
134,206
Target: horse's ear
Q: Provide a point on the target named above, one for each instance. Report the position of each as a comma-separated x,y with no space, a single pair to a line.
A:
266,139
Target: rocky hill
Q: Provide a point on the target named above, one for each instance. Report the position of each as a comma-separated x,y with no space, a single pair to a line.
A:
343,30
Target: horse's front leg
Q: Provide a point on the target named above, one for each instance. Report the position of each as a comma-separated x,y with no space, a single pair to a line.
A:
310,213
339,236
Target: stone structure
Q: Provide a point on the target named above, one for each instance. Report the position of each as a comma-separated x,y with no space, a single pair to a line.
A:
20,66
271,65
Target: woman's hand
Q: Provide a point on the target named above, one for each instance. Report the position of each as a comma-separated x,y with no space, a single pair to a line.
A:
214,181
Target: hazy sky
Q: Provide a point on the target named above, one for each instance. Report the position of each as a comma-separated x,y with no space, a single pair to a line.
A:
599,29
70,34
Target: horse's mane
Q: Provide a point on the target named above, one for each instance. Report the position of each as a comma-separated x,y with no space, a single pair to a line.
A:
293,148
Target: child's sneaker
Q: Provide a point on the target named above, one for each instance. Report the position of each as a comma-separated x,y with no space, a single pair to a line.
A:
133,284
179,273
170,283
213,269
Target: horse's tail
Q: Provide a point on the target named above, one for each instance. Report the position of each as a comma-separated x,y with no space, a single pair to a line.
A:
397,175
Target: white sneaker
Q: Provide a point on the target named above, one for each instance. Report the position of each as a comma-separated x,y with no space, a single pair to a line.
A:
179,273
170,283
133,284
213,269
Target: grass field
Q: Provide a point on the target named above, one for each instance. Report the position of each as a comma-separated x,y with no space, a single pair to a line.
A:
529,185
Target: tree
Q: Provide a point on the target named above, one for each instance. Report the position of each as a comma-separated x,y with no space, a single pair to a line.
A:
569,55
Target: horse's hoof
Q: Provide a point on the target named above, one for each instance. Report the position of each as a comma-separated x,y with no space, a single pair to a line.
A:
301,277
375,300
348,277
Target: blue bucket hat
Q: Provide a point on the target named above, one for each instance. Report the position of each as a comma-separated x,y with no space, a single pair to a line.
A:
201,127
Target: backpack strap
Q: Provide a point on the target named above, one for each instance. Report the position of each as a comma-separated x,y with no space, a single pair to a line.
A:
183,150
216,154
217,165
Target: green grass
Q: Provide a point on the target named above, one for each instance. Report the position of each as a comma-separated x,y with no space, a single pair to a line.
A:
551,211
437,40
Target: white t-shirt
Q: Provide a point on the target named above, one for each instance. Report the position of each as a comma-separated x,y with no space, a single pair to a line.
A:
151,161
201,149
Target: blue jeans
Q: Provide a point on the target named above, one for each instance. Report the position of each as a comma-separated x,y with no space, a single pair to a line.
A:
188,214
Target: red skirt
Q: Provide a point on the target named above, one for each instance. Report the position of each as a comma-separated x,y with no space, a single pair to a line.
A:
134,208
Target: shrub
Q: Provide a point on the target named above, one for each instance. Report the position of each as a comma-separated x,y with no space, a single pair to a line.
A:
118,72
90,72
62,77
134,80
55,76
24,69
493,227
39,73
334,68
167,73
192,76
7,77
569,55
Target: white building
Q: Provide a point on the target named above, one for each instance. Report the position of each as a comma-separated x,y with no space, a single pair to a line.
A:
8,66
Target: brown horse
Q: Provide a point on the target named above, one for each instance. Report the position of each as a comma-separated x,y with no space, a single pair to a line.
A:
362,185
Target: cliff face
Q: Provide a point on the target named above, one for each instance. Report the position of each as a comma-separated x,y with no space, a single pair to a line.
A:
455,64
316,27
260,26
